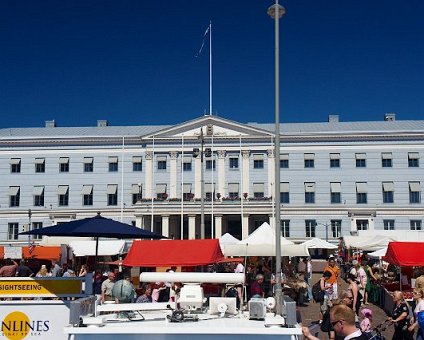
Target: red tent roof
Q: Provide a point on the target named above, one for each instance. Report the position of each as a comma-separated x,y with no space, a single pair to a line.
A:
405,253
165,253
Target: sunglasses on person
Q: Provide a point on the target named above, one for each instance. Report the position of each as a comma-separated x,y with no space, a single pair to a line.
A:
336,322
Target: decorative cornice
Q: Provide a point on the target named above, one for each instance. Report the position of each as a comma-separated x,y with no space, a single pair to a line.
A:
221,153
148,155
173,154
270,153
245,154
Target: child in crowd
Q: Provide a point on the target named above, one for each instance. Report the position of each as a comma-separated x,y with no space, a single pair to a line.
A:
366,321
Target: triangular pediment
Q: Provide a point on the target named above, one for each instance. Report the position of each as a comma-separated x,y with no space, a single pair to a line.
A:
211,126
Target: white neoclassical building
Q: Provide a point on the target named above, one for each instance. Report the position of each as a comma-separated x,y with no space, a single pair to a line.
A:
336,177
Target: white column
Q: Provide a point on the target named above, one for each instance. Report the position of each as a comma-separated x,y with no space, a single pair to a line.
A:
221,172
191,227
148,182
272,221
246,172
197,177
165,225
218,226
173,174
245,231
271,170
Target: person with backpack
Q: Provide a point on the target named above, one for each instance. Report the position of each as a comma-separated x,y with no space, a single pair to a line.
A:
321,292
418,312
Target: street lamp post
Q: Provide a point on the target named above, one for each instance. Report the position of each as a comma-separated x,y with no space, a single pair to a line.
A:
326,225
276,11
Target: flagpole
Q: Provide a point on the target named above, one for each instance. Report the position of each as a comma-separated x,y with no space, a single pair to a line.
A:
210,68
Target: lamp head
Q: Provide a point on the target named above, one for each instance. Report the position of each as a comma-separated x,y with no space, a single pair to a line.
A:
276,9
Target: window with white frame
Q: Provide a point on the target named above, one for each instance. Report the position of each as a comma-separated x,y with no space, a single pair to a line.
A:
336,228
112,194
40,165
258,190
187,191
187,163
233,163
161,191
361,193
309,192
413,159
284,161
12,231
15,165
137,163
210,164
88,165
362,224
136,193
310,228
63,195
386,160
415,224
233,190
389,224
361,160
285,228
161,162
334,160
285,192
35,226
38,195
87,195
14,196
258,161
64,164
388,192
414,192
335,192
113,164
309,160
210,191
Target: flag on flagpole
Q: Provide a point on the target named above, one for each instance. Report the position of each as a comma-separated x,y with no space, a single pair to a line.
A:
31,247
203,41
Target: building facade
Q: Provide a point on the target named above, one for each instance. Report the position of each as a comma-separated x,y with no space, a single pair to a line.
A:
337,178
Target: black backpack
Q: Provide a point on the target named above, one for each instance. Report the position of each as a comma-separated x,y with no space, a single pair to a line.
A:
317,293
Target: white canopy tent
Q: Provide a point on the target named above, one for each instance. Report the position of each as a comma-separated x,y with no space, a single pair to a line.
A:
106,247
227,239
317,243
378,254
262,243
369,243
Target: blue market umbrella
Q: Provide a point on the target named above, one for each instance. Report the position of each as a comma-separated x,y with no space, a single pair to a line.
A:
96,227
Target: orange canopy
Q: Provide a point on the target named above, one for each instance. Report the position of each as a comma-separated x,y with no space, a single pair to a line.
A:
38,252
405,253
1,252
168,253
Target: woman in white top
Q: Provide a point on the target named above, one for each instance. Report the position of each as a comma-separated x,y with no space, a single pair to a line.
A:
419,307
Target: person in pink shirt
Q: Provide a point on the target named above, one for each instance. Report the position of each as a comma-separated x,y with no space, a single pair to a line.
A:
366,321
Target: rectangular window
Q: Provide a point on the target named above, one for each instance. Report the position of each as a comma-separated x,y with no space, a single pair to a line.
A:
386,160
233,190
40,165
415,224
137,163
284,161
361,224
309,160
87,195
284,192
234,163
361,160
309,192
187,191
389,224
136,193
210,164
388,192
414,192
161,162
209,191
335,193
112,194
285,228
64,164
37,225
258,190
258,161
161,191
63,195
361,193
38,194
310,226
413,159
334,160
12,231
14,196
88,164
187,161
113,163
15,165
336,228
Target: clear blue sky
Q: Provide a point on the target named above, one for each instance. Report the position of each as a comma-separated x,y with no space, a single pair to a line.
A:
133,62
